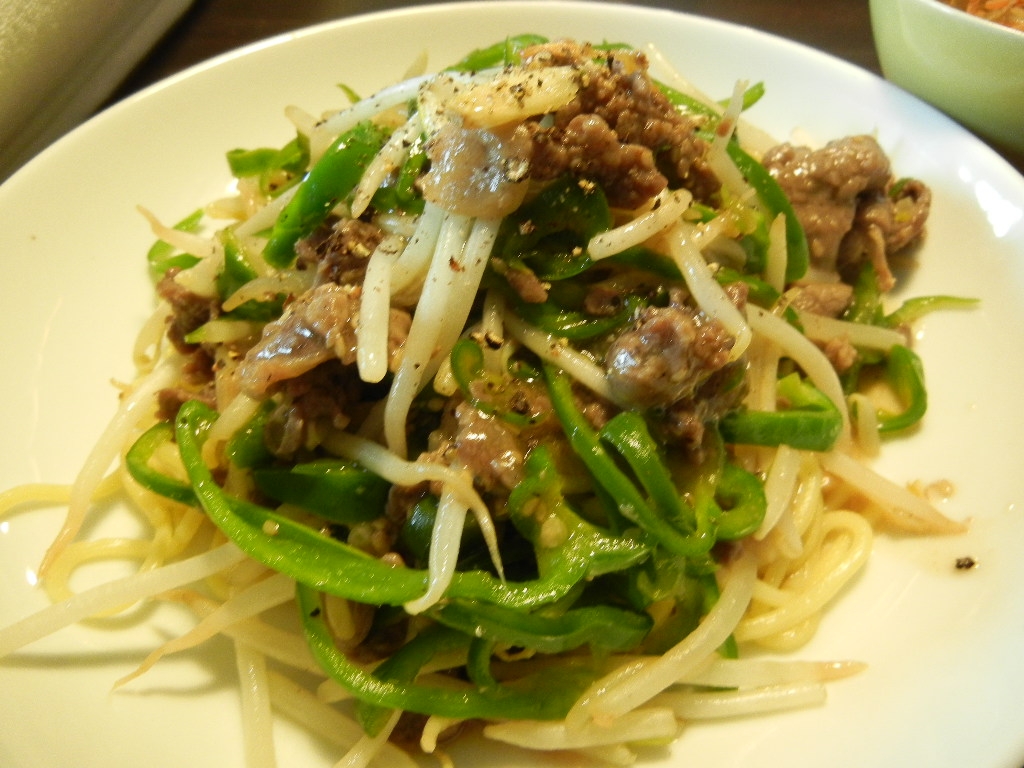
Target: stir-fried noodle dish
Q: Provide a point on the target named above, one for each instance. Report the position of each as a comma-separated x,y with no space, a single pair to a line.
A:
1009,13
535,398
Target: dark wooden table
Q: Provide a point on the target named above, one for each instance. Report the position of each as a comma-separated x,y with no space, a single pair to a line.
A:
839,27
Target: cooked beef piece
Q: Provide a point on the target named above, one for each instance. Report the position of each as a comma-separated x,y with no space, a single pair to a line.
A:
316,327
189,310
527,285
840,352
488,448
170,400
884,225
339,253
829,299
620,130
686,420
842,195
667,354
324,394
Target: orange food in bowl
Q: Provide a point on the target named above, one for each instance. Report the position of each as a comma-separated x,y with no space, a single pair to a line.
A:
1009,13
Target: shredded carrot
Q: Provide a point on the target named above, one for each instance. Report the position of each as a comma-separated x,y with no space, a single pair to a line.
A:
1009,13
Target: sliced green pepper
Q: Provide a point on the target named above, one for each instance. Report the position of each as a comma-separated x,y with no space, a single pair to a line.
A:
628,500
568,548
628,433
600,626
236,273
551,232
327,183
162,256
574,324
335,489
311,557
277,169
811,423
542,696
137,463
905,373
774,199
401,193
741,503
916,308
247,449
500,54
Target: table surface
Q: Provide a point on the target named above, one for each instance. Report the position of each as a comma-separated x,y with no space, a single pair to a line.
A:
839,27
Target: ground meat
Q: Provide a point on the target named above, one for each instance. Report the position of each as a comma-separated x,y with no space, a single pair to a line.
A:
325,394
489,449
828,299
339,253
685,421
620,130
841,353
841,195
667,354
527,285
170,400
189,310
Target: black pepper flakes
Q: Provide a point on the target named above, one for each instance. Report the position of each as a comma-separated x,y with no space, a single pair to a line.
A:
965,563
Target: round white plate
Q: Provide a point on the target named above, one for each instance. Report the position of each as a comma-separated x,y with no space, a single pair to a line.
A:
946,672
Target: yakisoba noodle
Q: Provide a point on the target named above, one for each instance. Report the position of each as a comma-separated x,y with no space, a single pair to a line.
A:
527,384
1009,13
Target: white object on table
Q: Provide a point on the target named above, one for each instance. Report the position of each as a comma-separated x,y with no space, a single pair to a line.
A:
60,59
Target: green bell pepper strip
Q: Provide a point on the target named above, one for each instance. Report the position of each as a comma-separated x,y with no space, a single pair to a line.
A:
630,503
905,374
478,663
759,292
137,463
600,626
467,364
866,303
250,162
751,96
403,666
328,182
542,696
628,433
329,565
774,199
916,308
247,449
401,194
811,423
162,256
418,528
573,324
277,169
236,273
335,489
740,501
499,54
537,504
551,232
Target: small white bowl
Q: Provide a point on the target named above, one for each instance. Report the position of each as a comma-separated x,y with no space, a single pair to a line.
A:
968,67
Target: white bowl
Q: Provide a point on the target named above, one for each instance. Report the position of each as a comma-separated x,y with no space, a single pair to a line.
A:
968,67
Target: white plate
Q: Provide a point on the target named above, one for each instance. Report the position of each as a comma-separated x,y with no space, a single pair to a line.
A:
944,647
